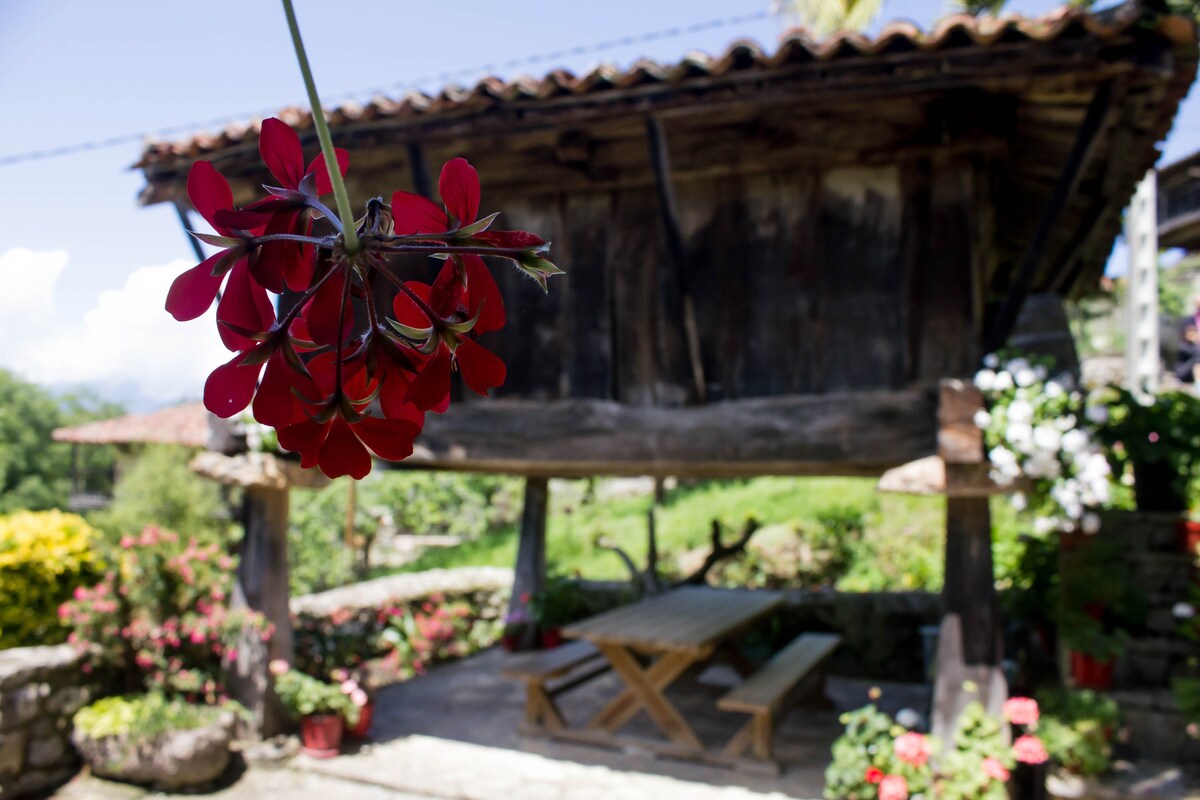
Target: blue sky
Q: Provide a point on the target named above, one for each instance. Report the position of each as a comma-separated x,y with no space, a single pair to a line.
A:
83,268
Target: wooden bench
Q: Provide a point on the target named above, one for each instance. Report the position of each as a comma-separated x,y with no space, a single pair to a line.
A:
548,674
767,693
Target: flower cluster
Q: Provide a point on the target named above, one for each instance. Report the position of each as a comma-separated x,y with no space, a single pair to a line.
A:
161,615
877,757
339,375
398,640
1034,428
303,695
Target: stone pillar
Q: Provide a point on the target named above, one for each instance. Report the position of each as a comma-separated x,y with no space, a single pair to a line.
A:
1142,366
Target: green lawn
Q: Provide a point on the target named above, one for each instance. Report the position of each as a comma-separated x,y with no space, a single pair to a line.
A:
902,544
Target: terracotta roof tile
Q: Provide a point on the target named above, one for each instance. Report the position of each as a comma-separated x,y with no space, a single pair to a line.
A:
185,425
796,47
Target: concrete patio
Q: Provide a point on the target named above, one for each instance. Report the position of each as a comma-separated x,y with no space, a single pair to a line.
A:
453,734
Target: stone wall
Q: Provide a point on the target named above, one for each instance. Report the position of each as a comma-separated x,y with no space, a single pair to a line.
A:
41,688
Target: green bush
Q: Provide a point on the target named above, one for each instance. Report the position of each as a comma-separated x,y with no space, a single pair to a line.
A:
1076,727
157,488
44,556
145,716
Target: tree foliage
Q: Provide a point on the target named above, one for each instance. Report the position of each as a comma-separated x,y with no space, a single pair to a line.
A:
35,471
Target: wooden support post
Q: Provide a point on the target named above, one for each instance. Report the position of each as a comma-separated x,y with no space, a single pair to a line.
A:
970,647
262,586
530,570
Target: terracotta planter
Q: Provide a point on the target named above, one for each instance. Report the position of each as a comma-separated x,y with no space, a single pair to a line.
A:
321,735
1087,672
1188,533
361,728
551,638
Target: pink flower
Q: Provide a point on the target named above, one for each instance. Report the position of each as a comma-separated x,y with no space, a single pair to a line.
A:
339,675
349,686
1021,710
80,593
893,787
994,769
358,697
1029,750
912,748
128,541
278,666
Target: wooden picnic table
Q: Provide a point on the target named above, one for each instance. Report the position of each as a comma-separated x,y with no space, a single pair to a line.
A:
675,630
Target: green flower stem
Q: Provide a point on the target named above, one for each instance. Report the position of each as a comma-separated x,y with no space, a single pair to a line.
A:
335,175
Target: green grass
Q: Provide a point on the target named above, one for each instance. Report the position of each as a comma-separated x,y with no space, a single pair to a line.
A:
902,548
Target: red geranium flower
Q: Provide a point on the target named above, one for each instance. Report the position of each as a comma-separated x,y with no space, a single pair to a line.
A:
1029,749
874,775
1021,710
279,265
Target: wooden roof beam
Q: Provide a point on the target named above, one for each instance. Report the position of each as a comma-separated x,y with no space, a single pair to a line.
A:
1080,158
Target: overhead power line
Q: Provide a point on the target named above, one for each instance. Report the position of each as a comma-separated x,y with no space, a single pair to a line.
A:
442,78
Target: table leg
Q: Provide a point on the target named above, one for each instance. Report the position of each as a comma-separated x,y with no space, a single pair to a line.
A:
644,690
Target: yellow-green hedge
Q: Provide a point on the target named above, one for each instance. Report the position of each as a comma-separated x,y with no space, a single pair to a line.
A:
44,555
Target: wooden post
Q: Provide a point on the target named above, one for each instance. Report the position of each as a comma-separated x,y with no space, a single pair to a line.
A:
970,647
530,574
262,586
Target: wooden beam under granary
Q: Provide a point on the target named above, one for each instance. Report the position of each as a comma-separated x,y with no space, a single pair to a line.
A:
771,259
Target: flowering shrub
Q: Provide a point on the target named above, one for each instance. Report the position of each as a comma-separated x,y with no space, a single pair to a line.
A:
303,695
44,555
161,615
878,758
1034,427
399,640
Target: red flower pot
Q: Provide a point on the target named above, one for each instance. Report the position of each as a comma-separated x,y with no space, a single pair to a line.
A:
510,642
321,735
1089,673
1189,536
551,638
360,729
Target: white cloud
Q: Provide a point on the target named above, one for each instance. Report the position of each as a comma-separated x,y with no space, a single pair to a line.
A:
127,339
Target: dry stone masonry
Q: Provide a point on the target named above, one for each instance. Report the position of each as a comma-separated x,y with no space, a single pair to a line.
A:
41,688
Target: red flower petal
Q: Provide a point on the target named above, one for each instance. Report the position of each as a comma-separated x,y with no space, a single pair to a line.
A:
388,439
246,305
324,310
485,298
280,149
230,386
449,291
481,368
510,239
274,404
432,385
342,453
193,292
305,438
209,191
412,213
317,167
405,309
459,188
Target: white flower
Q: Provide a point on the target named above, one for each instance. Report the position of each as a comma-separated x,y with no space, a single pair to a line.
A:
991,361
1047,437
1181,611
1097,415
1054,389
985,380
1090,523
982,419
1003,382
1020,411
1040,372
1019,501
1043,525
1017,364
1074,441
908,718
1025,377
